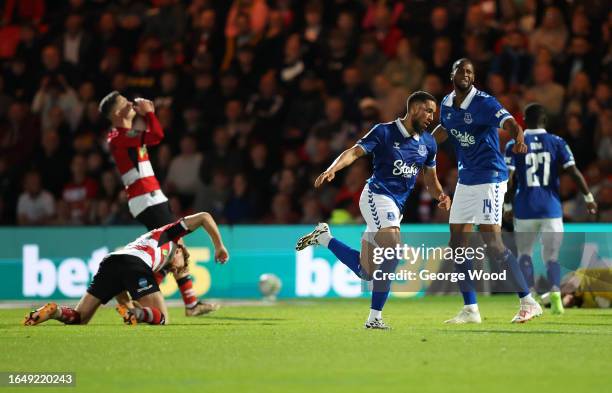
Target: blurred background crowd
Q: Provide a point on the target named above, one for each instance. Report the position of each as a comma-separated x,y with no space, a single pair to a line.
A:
257,97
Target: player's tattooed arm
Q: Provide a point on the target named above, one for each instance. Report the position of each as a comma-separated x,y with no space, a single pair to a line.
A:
440,134
345,159
206,221
516,132
575,173
434,187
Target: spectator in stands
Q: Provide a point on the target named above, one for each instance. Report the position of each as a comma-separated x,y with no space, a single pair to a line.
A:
370,60
293,65
222,155
334,127
545,90
238,125
241,204
352,92
36,206
79,192
56,92
18,134
212,198
385,31
407,70
551,34
314,34
166,21
391,100
182,177
77,45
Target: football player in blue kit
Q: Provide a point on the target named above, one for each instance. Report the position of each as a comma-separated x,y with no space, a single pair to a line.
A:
537,206
471,119
400,149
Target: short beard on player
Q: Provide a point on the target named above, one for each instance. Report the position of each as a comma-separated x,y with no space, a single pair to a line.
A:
417,127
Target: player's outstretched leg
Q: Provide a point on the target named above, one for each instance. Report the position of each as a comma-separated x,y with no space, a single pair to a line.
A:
350,257
67,315
321,236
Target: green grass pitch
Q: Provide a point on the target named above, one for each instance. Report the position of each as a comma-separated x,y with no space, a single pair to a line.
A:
321,346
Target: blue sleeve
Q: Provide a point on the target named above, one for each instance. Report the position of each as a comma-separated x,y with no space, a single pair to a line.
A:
509,156
564,154
432,150
372,139
442,116
493,114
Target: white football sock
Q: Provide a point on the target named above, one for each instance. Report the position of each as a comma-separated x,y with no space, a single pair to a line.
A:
375,314
528,299
471,307
324,238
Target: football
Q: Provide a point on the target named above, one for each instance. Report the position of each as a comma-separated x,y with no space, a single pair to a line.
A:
269,286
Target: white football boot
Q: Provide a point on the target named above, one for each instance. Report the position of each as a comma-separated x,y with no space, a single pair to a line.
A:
312,239
376,323
527,312
465,316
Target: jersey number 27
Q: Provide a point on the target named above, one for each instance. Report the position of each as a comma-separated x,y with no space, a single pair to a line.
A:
533,161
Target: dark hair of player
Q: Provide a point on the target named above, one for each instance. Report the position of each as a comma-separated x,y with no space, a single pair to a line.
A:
535,116
107,104
419,96
457,63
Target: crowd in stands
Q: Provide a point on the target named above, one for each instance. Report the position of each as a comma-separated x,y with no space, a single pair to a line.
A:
257,97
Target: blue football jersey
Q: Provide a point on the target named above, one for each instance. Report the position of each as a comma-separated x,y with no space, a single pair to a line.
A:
473,131
397,159
537,174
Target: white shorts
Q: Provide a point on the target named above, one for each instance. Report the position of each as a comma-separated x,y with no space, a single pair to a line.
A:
527,233
378,211
478,204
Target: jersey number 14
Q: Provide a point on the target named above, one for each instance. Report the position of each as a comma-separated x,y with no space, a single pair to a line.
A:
533,161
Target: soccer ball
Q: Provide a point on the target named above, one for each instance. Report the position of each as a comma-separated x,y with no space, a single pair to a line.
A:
269,286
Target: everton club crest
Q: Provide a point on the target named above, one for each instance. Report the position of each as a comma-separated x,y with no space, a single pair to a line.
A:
467,118
422,150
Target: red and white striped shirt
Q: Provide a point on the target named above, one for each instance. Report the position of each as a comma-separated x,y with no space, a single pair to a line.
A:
156,248
129,150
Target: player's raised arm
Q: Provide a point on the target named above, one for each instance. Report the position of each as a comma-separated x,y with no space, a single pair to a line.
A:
345,159
206,221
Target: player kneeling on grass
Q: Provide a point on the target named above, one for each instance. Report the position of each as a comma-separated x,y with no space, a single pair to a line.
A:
132,269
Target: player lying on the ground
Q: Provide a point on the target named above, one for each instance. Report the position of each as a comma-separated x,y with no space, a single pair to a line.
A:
146,201
471,119
131,269
537,203
399,149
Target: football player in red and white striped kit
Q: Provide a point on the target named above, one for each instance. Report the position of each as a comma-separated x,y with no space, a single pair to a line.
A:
132,269
146,201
